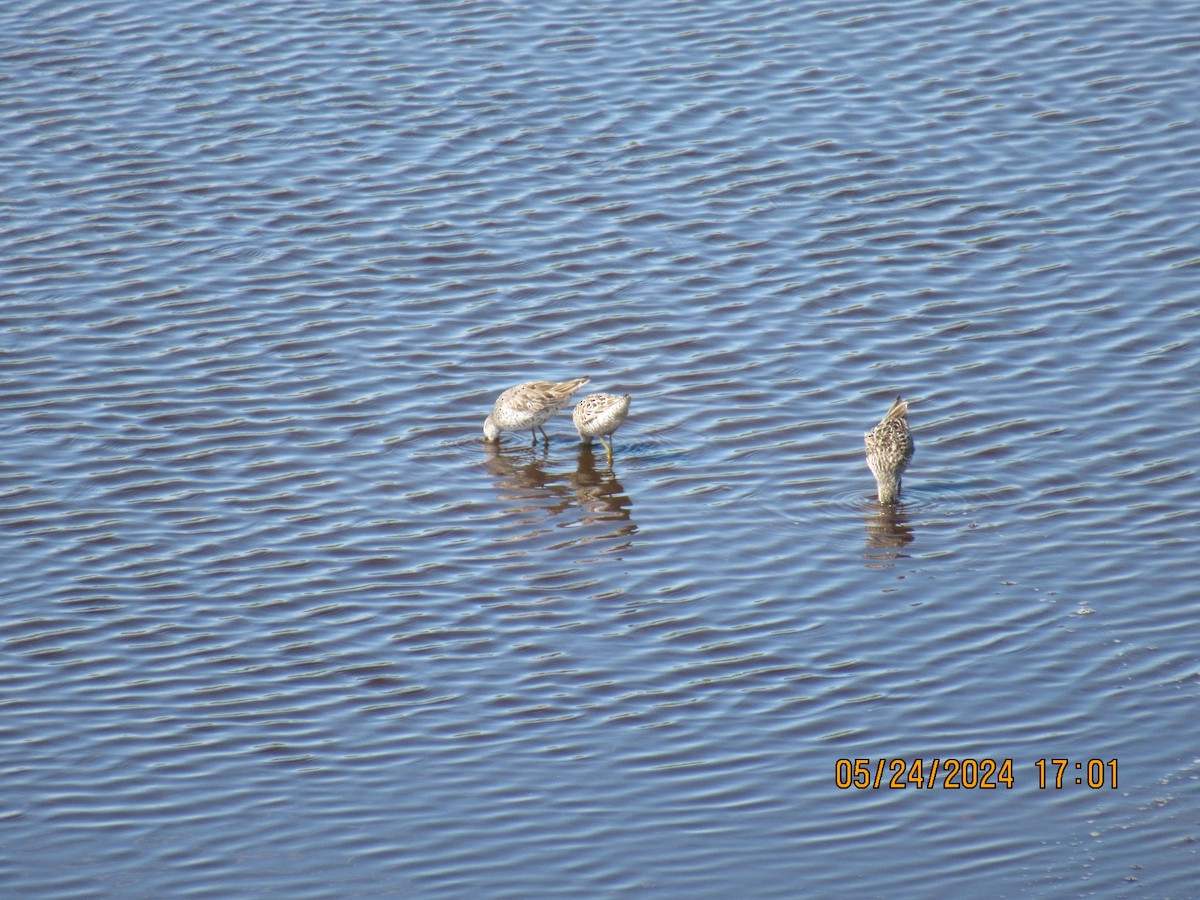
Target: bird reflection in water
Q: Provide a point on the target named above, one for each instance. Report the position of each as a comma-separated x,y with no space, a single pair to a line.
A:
525,483
888,533
536,492
600,493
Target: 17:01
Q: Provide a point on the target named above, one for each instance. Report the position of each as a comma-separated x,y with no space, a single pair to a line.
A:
1095,773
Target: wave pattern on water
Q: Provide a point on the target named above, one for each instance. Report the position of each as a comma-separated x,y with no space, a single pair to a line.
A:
269,609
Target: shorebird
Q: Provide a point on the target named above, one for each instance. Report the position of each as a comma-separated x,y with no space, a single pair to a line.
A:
528,405
598,416
889,450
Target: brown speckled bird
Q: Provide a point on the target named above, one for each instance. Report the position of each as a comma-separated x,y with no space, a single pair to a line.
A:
528,405
598,416
889,450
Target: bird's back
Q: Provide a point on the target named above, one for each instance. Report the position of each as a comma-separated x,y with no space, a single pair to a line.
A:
890,449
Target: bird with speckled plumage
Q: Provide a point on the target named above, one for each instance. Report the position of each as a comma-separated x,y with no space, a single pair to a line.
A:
528,406
599,416
889,451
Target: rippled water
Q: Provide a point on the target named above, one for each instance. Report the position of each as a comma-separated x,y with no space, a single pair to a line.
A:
275,621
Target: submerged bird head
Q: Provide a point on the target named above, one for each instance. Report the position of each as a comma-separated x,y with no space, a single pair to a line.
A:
887,487
491,431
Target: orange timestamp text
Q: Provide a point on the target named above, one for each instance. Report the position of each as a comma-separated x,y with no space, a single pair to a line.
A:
969,773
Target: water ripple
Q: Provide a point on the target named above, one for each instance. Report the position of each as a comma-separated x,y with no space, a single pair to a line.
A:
268,595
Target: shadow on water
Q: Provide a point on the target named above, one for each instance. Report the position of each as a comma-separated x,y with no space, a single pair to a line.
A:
888,533
599,492
527,481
